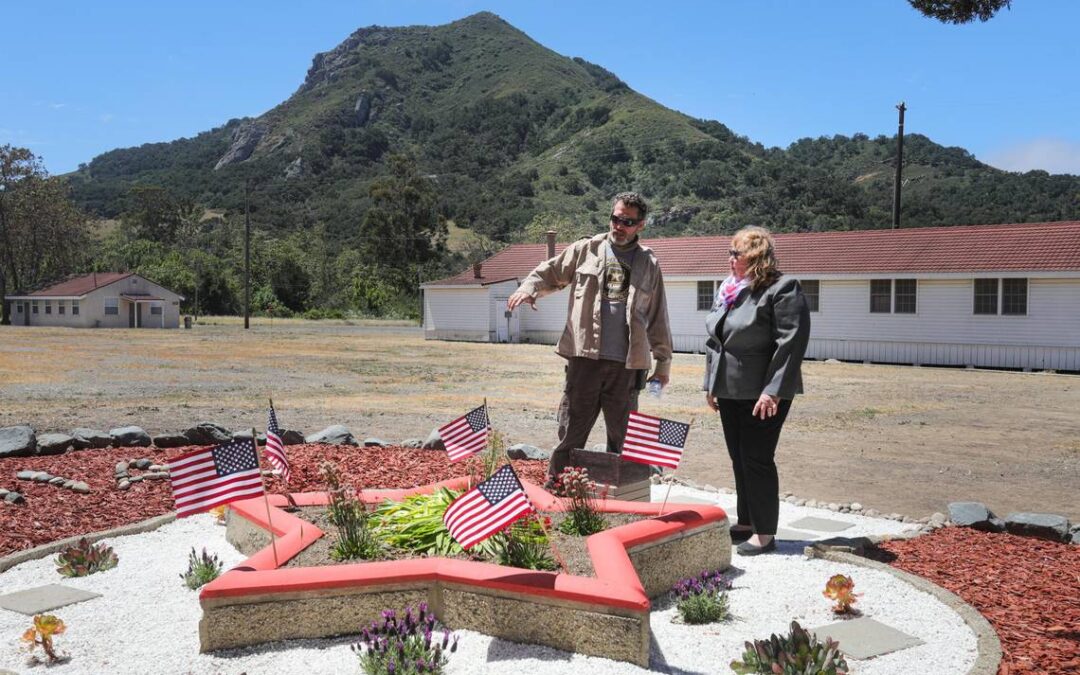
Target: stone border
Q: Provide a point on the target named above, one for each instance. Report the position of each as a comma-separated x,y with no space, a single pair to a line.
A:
987,643
148,525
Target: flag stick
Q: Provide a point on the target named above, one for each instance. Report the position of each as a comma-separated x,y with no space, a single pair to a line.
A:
266,500
668,493
551,542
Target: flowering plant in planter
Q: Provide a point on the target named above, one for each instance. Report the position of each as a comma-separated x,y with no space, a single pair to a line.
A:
703,599
396,646
583,518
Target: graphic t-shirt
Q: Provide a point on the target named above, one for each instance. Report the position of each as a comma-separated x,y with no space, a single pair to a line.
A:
614,329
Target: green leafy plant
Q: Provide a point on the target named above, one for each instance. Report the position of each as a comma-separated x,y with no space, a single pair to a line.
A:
85,558
583,519
525,544
415,524
202,569
406,645
41,635
841,590
703,599
797,653
356,538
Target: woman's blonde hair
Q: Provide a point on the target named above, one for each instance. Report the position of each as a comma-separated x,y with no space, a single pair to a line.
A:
758,251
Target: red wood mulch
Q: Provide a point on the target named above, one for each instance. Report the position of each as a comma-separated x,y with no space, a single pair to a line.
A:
52,513
1029,590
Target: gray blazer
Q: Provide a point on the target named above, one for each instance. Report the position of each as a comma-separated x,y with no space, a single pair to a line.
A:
757,346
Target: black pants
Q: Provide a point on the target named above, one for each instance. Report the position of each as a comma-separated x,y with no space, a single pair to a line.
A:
751,443
593,386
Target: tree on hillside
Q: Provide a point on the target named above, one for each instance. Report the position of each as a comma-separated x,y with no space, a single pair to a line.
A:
960,11
42,233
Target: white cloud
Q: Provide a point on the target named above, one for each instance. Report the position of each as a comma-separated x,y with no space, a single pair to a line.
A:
57,106
1056,155
106,118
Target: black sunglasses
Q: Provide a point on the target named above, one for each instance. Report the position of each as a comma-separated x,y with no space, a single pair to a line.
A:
625,222
734,253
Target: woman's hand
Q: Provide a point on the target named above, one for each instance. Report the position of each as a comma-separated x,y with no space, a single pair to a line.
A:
711,400
765,406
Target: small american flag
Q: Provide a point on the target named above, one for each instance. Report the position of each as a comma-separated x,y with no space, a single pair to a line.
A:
275,449
652,440
487,508
467,435
209,477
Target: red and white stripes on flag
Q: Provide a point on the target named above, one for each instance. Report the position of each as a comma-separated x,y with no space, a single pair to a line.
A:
275,449
467,435
487,508
209,477
652,440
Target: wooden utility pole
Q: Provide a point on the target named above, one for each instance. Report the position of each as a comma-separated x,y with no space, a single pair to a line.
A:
247,255
899,168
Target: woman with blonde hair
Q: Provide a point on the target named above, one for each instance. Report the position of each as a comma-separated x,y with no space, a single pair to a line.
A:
758,330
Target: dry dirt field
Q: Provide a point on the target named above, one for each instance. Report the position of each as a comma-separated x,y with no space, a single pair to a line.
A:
898,439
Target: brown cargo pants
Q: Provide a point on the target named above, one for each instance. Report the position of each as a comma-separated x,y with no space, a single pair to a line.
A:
593,386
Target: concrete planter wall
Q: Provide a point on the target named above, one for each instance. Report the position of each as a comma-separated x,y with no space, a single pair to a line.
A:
606,615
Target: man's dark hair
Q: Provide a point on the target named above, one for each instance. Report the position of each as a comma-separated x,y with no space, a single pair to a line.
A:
632,199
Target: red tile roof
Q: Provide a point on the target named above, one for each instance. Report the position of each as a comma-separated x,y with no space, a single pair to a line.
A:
1028,247
81,285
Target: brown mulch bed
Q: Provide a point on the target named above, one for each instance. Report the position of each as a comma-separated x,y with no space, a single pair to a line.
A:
52,513
1028,589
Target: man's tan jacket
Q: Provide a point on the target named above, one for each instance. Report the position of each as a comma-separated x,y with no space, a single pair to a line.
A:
581,266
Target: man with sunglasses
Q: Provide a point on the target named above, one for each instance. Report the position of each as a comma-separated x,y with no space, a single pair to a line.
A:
617,325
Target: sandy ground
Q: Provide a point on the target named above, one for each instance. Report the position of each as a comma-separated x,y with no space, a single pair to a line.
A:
898,439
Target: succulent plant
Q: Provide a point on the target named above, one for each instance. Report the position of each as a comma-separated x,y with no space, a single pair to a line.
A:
841,590
405,645
85,558
201,569
797,653
41,635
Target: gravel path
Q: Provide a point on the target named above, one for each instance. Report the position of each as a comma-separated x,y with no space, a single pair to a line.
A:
147,621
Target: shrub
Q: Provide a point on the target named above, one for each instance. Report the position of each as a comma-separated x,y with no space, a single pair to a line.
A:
407,645
703,599
201,569
797,653
416,523
41,635
85,558
583,519
841,590
350,517
525,544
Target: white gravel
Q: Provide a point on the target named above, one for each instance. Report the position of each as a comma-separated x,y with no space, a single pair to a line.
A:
147,621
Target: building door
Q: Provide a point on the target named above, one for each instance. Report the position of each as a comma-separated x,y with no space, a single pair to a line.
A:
134,315
26,313
507,324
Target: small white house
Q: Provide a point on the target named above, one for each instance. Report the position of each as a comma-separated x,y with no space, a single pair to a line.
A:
996,296
99,300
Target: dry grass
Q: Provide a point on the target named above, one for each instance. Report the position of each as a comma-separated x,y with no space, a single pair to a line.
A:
894,438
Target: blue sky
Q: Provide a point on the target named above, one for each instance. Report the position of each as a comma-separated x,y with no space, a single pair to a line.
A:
82,78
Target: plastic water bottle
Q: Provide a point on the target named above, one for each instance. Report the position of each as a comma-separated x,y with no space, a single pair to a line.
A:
654,387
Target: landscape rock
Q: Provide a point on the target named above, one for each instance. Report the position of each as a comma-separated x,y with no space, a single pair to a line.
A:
938,519
142,464
413,443
69,483
14,498
135,479
207,433
526,451
3,492
1042,525
335,434
121,469
971,514
57,480
245,139
856,506
17,441
42,477
997,524
291,437
243,435
26,474
1074,534
90,438
130,437
434,441
155,475
374,443
171,441
295,169
362,108
872,513
54,444
123,485
81,487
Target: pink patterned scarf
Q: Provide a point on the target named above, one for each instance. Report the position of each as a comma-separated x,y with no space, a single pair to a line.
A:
728,291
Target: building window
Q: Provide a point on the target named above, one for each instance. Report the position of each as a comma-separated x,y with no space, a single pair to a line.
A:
705,294
986,296
48,306
1014,296
811,289
59,306
155,309
904,292
33,306
112,306
18,307
74,307
880,296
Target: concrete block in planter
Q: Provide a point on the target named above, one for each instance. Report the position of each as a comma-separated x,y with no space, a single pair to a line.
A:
130,437
208,433
54,444
90,438
336,434
18,441
1042,525
972,514
526,451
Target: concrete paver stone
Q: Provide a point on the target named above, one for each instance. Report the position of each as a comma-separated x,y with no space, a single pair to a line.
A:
821,524
44,598
865,638
785,534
